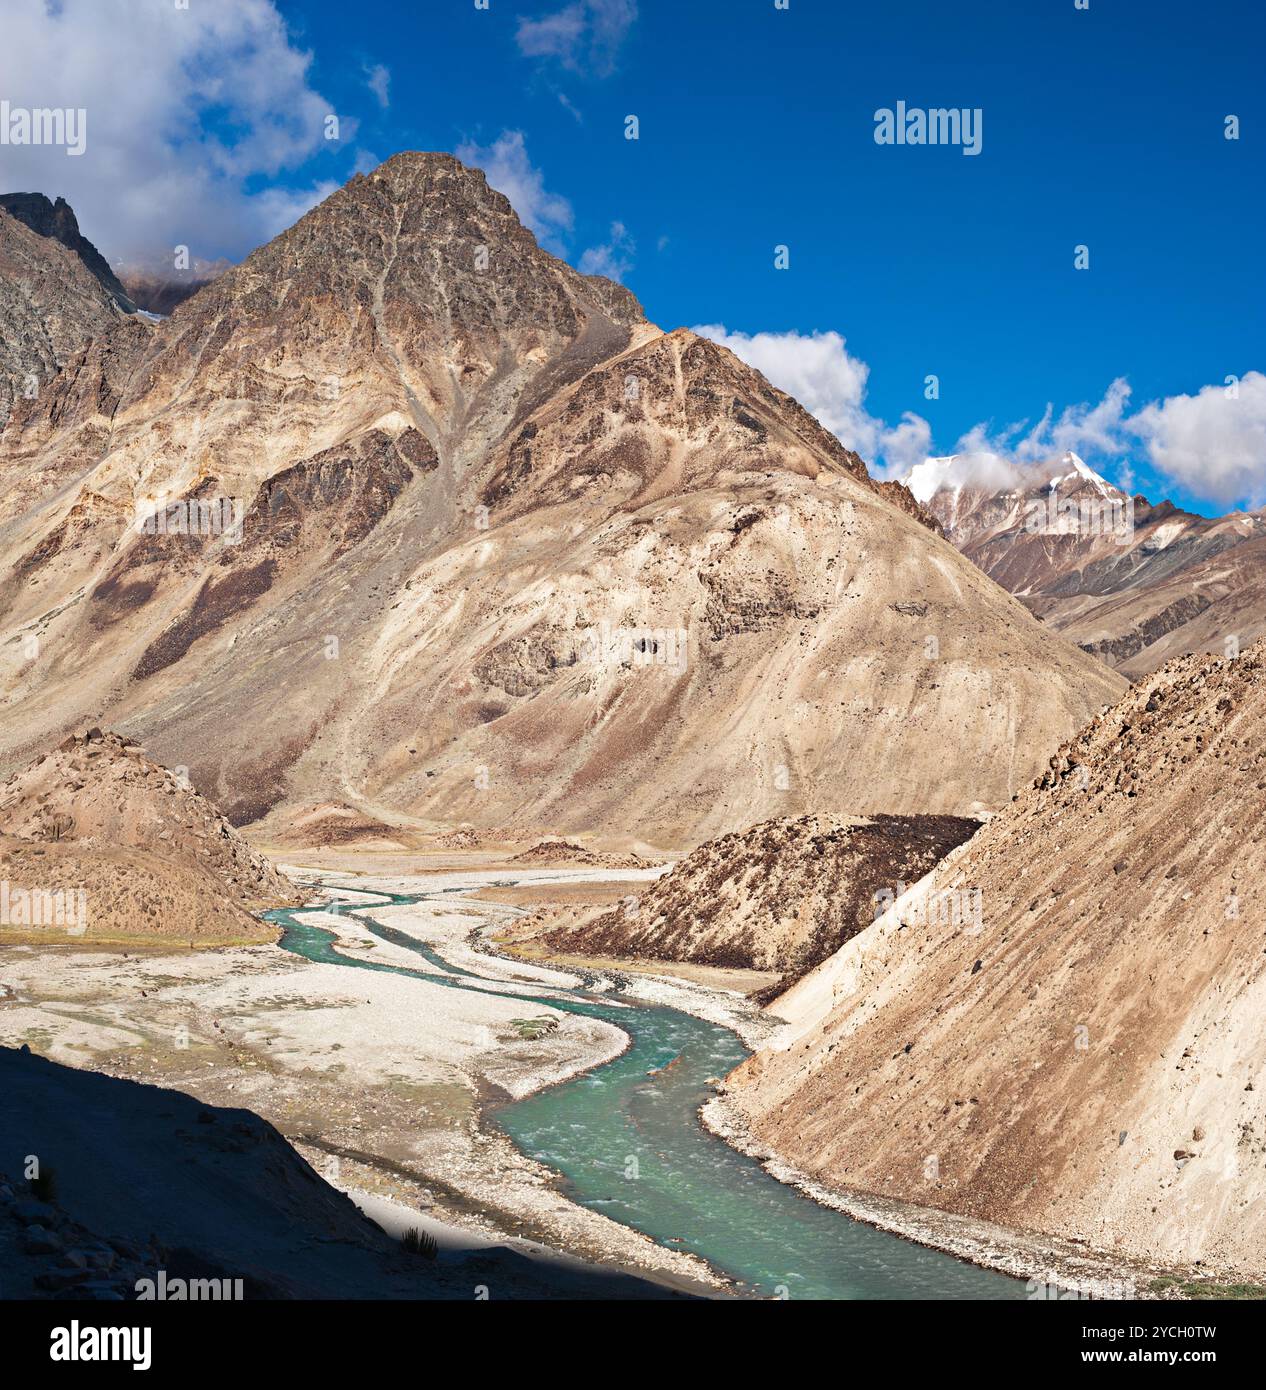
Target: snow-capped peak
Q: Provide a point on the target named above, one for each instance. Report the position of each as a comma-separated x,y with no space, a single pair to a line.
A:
1083,470
990,473
926,479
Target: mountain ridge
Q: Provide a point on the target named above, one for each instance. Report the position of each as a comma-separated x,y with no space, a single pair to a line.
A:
56,219
1132,583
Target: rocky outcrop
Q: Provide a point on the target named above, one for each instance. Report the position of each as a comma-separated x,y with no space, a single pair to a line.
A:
781,896
58,221
51,306
100,789
900,496
551,852
1118,650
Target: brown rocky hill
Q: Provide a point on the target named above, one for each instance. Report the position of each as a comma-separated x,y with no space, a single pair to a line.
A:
507,554
64,891
51,305
782,895
157,857
1175,583
551,852
326,824
1087,1055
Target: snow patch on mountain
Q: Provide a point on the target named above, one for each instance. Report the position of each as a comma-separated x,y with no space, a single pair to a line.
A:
984,472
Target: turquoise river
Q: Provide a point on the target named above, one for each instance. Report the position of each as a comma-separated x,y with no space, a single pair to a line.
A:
627,1140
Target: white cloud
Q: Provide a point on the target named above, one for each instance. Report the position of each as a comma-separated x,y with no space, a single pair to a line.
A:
509,170
584,37
817,369
571,108
905,444
184,108
978,468
614,258
1083,429
378,80
1213,443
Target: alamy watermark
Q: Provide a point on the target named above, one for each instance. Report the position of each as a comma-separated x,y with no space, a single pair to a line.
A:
941,125
1049,1288
71,1342
168,1290
942,907
192,516
1087,517
635,646
44,125
66,908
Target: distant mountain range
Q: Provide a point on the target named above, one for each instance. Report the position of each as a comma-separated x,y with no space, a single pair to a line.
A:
1131,582
157,287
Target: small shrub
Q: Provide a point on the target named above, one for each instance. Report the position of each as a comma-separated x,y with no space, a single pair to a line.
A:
529,1029
419,1242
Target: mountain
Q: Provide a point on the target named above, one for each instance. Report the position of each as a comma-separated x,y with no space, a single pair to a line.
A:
782,895
475,542
51,305
156,859
157,287
1064,1028
1167,582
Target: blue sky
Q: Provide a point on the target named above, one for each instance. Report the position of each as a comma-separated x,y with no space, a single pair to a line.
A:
1102,127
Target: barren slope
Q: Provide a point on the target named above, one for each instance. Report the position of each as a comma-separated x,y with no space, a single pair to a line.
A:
1092,1062
508,553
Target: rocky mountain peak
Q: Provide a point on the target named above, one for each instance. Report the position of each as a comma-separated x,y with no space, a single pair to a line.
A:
426,238
51,305
56,219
